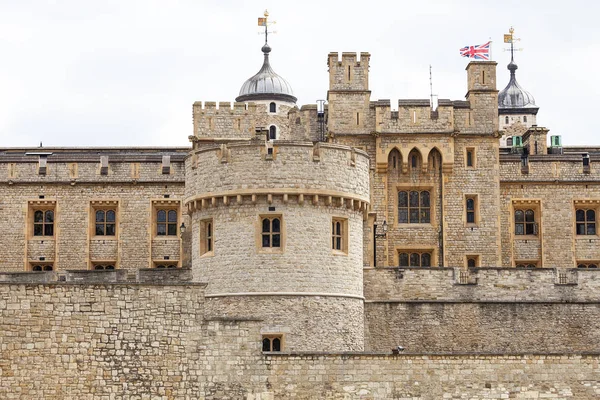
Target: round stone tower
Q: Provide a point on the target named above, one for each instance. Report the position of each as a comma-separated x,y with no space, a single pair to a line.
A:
278,236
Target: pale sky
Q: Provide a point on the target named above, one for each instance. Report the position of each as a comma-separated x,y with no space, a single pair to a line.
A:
125,73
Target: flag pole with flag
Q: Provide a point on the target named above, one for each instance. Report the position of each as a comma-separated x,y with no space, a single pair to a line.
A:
478,51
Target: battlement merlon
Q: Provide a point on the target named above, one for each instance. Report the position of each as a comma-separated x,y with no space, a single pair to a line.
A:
210,107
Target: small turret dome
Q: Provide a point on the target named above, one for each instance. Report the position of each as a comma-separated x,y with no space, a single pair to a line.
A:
266,84
513,95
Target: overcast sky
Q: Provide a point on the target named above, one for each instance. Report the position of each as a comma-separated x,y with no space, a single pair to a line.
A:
125,73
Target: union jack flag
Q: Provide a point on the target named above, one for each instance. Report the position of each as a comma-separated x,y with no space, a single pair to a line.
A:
478,52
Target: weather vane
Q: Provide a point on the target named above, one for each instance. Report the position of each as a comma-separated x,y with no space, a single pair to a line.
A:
264,22
510,38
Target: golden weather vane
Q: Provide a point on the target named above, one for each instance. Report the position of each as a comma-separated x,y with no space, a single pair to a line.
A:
510,38
264,21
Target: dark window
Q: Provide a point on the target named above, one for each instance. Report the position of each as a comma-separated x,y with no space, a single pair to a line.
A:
271,343
414,207
105,222
271,232
272,107
585,221
42,267
415,259
470,210
509,141
471,262
336,235
413,161
587,265
524,118
209,237
272,132
166,223
525,222
506,120
43,223
469,158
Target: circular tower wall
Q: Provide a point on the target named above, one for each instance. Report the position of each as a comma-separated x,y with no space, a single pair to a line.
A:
309,287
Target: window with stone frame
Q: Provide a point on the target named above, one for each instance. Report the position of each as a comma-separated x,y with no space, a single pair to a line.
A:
414,258
105,222
271,231
470,157
526,264
42,218
588,264
165,264
471,209
414,207
472,261
103,265
339,235
41,266
585,221
272,107
525,222
206,237
272,342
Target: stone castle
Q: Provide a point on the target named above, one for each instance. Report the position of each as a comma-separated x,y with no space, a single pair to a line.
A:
342,250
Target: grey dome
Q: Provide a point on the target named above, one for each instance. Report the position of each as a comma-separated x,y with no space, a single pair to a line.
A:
266,84
513,95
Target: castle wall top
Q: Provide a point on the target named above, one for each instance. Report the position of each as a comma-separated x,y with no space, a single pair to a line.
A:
349,73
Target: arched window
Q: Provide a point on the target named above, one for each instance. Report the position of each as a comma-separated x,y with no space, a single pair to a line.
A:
414,207
585,221
272,107
509,141
471,262
506,119
105,222
587,265
42,267
272,132
166,222
272,343
43,223
415,259
271,232
525,222
524,118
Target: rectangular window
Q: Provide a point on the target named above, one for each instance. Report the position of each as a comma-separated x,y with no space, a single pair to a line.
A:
414,258
472,261
41,266
339,235
165,215
272,342
42,218
471,207
271,233
470,154
104,218
585,220
414,207
206,237
525,222
103,265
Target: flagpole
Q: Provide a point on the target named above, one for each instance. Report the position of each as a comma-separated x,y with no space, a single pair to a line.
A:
491,58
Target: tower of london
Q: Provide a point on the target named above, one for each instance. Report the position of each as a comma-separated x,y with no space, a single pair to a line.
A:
350,249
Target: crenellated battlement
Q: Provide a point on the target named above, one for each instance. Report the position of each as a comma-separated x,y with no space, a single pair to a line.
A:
414,116
350,73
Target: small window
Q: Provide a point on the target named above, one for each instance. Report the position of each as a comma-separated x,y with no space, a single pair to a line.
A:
165,264
472,261
509,141
271,232
414,259
272,107
470,157
471,209
587,264
39,267
272,342
526,264
506,120
43,223
525,222
413,161
206,237
414,207
166,222
105,222
339,235
272,132
524,118
103,266
585,221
